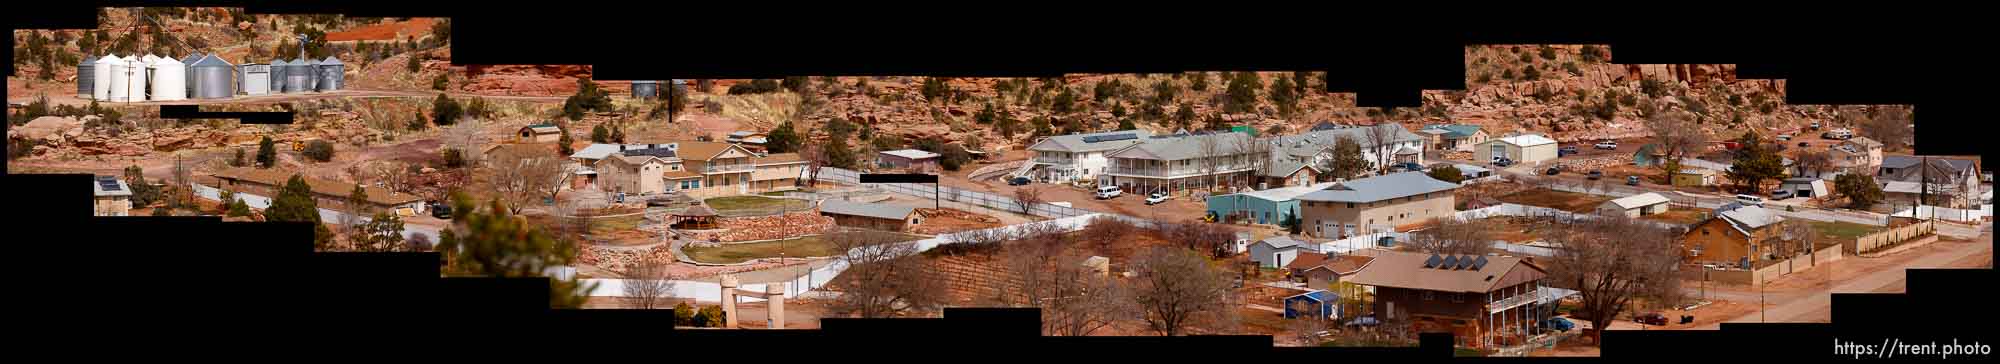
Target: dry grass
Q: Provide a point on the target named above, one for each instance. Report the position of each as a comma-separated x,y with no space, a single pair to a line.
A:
1566,201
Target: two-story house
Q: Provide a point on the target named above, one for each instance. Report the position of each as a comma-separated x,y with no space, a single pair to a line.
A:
1314,148
1484,301
698,169
1065,158
1178,163
1858,155
1736,237
1954,181
1375,204
1459,137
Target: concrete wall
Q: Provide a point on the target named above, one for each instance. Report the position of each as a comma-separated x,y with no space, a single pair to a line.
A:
1770,272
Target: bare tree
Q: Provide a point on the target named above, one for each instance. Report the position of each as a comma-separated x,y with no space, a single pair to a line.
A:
1178,290
1308,331
1381,136
1891,127
1105,230
1029,260
647,284
884,278
1813,161
1677,136
1210,149
1452,236
1082,300
1027,198
394,175
466,137
1259,154
522,178
1796,237
1613,260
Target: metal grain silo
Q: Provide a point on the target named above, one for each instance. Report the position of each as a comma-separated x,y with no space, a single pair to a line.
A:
128,80
169,81
100,80
212,78
298,76
278,68
85,77
254,79
312,75
645,89
189,63
331,74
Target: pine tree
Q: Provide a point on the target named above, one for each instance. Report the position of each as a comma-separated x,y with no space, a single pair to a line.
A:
783,139
600,134
491,242
267,153
838,154
295,203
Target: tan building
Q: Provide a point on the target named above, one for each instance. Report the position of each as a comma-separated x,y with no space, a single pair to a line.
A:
1859,155
1528,148
1484,301
875,216
1376,204
698,169
1178,163
1634,206
1694,177
1733,237
328,194
538,133
114,197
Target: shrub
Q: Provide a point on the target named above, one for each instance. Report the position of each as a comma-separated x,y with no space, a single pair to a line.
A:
441,82
454,158
1548,53
446,110
758,86
319,150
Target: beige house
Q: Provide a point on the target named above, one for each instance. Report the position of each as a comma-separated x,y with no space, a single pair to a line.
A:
114,198
698,169
538,133
1179,163
1858,155
1375,204
1527,148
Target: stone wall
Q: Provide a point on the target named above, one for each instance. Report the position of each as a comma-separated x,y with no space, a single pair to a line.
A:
754,228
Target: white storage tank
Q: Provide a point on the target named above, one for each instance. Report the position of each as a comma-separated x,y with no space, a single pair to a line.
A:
213,78
169,81
100,83
128,80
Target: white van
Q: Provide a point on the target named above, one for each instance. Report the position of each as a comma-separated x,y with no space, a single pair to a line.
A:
1749,200
1107,192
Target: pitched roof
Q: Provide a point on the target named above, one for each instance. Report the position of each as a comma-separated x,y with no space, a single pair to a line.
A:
702,151
1342,265
1406,270
1525,140
543,129
1284,168
1864,142
1285,242
1168,148
1287,193
911,154
1093,142
1956,165
1748,218
1314,141
522,148
1456,131
1639,200
874,210
780,158
277,179
599,151
1379,188
108,186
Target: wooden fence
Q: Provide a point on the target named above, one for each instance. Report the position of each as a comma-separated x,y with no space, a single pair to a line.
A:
1769,271
1872,242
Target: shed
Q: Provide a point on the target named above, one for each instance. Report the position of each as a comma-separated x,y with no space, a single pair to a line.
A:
645,89
169,80
278,69
254,79
86,77
1269,207
870,215
1277,251
1527,148
1304,304
1807,187
1242,244
1635,205
1694,177
100,79
332,73
907,158
212,78
539,133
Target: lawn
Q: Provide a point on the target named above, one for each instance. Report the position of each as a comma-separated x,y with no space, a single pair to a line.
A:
1843,230
810,246
607,225
730,204
1566,201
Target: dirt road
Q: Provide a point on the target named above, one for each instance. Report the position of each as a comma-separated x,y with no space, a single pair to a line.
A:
1815,305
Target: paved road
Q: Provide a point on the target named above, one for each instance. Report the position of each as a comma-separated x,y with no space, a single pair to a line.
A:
1816,305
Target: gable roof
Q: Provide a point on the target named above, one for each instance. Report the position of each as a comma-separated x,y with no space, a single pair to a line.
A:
1864,142
543,129
1639,200
1171,148
1524,140
1309,143
1748,218
599,151
1379,188
1287,193
1282,242
1284,168
1091,142
702,151
1342,265
779,158
912,154
1455,131
874,210
1406,270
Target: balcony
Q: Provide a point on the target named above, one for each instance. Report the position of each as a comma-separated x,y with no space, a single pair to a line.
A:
1510,302
1171,172
727,168
1055,161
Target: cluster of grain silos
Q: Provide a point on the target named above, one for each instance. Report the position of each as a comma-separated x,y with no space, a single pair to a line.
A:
201,76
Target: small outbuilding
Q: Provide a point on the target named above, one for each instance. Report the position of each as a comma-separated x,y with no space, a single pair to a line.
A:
907,158
1278,251
1806,187
1322,304
871,215
1635,205
539,133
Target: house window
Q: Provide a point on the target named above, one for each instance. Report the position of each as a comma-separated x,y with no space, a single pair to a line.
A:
1350,205
1457,297
1428,295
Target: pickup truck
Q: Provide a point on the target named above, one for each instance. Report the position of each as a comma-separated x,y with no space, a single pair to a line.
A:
1607,145
1157,198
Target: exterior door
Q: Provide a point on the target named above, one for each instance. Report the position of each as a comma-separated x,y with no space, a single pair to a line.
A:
1499,151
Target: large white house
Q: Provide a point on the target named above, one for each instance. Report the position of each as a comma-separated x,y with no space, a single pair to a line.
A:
1314,148
1176,163
1065,158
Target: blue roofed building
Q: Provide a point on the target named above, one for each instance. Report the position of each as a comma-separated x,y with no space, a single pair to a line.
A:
1304,305
1459,137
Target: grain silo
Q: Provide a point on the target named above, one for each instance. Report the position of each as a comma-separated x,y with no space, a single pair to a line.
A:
312,75
645,89
85,77
278,68
169,80
212,78
100,83
298,78
128,80
331,74
189,63
149,58
254,79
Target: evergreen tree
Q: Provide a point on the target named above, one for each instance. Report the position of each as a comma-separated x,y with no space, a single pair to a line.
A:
600,134
563,144
491,242
784,139
1243,92
239,160
838,154
445,110
1126,124
267,153
1754,164
1860,190
295,203
1198,81
1347,160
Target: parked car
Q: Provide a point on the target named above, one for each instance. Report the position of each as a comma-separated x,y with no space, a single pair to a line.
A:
1018,181
1781,194
1566,150
1553,171
440,210
1815,125
1558,324
1156,198
1594,175
1631,180
1503,162
1406,166
1608,144
1749,200
1651,318
1785,137
1803,144
1108,192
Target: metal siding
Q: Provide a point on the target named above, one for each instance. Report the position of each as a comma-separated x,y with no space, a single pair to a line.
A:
214,82
86,77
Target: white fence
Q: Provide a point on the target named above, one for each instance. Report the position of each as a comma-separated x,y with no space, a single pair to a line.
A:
1473,181
953,194
1947,214
1361,242
815,278
1508,209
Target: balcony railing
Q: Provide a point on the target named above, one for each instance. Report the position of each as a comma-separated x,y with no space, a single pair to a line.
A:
1054,160
1171,172
719,168
1510,302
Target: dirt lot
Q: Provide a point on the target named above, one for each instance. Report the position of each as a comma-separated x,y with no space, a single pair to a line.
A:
950,220
1681,216
1714,312
1566,201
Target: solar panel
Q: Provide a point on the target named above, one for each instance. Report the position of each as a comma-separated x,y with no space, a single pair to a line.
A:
1432,262
1450,262
1464,262
1480,263
1091,139
1117,137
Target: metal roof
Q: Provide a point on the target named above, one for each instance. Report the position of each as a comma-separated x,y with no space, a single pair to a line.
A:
874,210
1285,242
1283,168
1379,188
1092,142
1169,148
1751,218
1406,270
1639,200
1287,193
599,151
108,186
330,61
911,153
1527,140
1455,131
